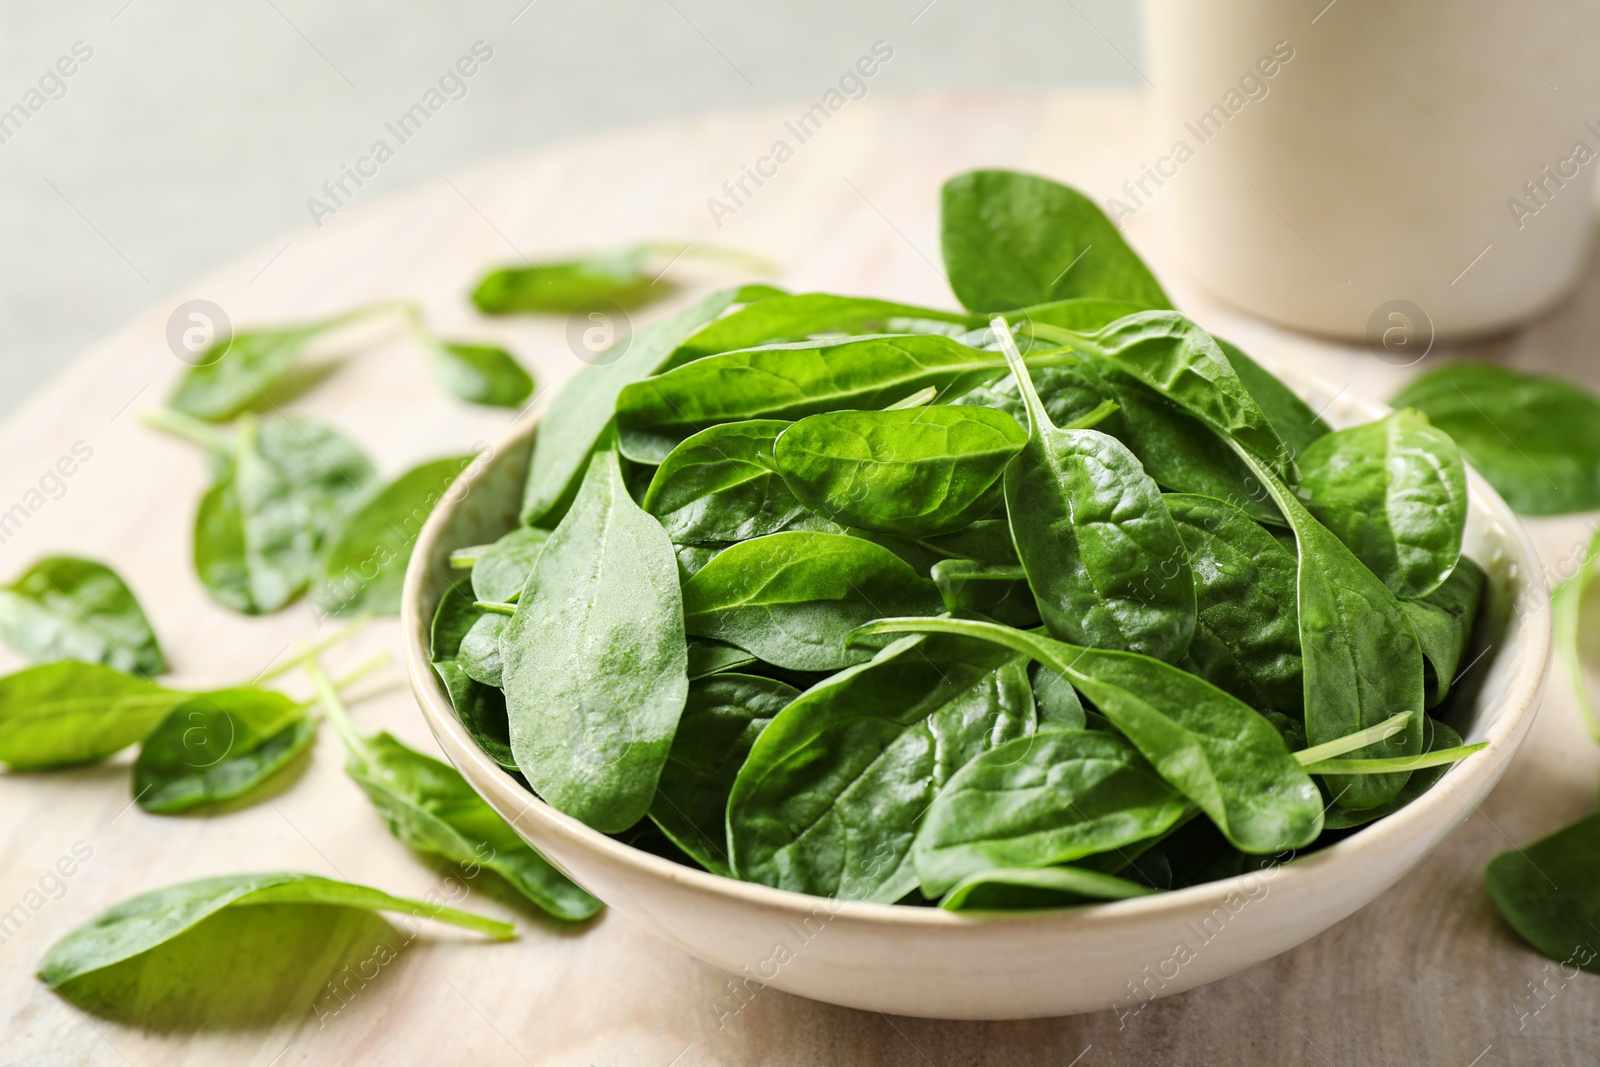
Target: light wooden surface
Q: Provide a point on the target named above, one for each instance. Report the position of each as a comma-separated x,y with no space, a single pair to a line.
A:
1427,974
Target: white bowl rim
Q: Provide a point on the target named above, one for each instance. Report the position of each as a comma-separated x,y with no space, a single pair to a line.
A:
1523,692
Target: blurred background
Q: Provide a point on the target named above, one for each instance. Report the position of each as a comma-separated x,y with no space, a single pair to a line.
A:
194,133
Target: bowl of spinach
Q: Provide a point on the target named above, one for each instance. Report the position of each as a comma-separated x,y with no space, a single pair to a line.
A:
1046,656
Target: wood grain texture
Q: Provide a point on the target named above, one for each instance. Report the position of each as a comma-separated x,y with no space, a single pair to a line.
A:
1427,974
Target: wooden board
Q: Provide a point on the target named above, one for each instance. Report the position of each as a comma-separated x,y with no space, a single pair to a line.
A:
1428,973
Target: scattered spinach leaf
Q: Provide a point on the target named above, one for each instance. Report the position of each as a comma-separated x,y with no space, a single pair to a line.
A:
218,746
58,714
63,607
1549,892
479,373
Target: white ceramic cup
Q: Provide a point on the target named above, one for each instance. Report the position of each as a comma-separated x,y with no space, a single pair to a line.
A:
1357,167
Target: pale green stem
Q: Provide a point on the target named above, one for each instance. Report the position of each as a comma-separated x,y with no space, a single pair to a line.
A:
1395,763
185,427
1350,742
494,608
338,636
334,708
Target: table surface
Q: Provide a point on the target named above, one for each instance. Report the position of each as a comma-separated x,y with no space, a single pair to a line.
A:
1428,973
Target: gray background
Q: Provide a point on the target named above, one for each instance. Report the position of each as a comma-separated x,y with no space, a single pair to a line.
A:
198,129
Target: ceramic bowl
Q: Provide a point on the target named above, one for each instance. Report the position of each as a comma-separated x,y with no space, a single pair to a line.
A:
934,963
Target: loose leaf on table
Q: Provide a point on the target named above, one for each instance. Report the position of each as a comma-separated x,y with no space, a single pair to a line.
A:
219,746
148,920
1101,551
1010,240
1038,801
479,654
708,657
720,486
1292,418
1536,439
792,381
1226,758
998,591
429,806
1443,621
792,599
722,718
479,373
619,277
481,709
1395,492
63,607
1439,737
1549,892
500,570
1567,604
1247,630
1041,887
595,663
799,316
569,431
827,802
62,713
364,564
281,487
236,372
914,473
1359,654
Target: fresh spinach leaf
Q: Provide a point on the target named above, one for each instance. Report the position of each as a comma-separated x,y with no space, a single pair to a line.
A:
1549,892
364,564
828,799
500,570
1439,738
722,718
281,487
1536,439
707,657
791,381
481,709
720,486
800,316
480,654
1442,621
219,746
141,923
1038,801
1247,628
236,373
1395,492
984,541
63,607
426,804
1057,702
62,713
1292,418
1100,550
570,430
1042,887
914,473
1359,654
620,277
1011,240
1000,592
595,663
479,373
1223,756
792,599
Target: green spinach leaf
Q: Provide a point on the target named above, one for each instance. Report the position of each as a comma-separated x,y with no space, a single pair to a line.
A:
722,718
1443,621
792,599
1038,801
1439,738
1041,887
707,657
1292,418
62,713
481,709
1100,550
1000,592
500,571
63,607
1395,492
595,663
1247,628
479,373
364,564
219,746
480,654
1536,439
1011,240
1226,758
428,805
800,316
914,473
141,923
1549,892
828,799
